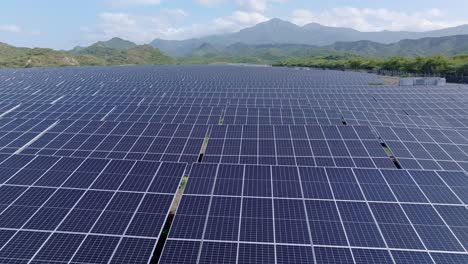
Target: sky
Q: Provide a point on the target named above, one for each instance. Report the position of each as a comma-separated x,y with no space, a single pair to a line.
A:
64,24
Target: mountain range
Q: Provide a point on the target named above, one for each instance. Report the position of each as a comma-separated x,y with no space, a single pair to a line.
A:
244,53
113,52
265,43
277,31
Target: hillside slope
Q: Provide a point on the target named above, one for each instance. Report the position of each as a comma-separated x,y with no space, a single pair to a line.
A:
449,46
277,31
99,54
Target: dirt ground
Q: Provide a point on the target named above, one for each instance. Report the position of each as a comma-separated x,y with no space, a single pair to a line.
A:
391,81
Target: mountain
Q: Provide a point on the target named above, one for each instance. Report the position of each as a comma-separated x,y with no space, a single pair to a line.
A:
177,48
277,31
118,52
13,57
259,54
113,52
147,54
266,54
448,46
116,43
205,50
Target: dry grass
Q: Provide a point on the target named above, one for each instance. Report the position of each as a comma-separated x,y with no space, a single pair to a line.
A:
391,81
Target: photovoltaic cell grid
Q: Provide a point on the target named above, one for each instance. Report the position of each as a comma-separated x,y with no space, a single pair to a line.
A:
341,146
433,149
259,203
91,89
281,214
75,210
206,115
113,140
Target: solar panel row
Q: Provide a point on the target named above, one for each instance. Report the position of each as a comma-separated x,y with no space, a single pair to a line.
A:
432,149
277,214
57,210
293,168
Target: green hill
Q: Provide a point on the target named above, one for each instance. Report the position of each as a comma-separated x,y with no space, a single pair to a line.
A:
239,52
113,52
12,57
276,31
144,54
262,54
121,52
448,46
116,43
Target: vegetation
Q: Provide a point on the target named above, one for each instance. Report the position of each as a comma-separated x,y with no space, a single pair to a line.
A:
383,43
272,53
262,54
99,54
447,46
437,64
362,55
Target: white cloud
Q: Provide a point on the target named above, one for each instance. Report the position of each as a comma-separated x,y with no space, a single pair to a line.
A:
210,3
256,5
239,20
139,28
243,5
173,24
370,19
10,28
123,3
167,24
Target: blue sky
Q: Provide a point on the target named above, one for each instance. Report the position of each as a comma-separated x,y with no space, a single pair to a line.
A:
64,24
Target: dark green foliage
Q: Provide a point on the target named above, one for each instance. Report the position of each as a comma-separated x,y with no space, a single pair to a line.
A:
277,31
113,52
272,53
261,54
117,43
448,46
361,55
437,64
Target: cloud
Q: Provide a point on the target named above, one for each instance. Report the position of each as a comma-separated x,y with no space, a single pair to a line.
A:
256,5
10,28
243,5
221,25
239,20
124,3
210,3
170,23
166,24
135,27
376,19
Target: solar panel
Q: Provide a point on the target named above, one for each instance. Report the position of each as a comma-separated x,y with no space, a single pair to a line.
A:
420,148
79,210
361,212
284,165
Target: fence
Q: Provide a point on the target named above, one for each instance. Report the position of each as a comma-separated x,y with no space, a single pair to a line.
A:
451,78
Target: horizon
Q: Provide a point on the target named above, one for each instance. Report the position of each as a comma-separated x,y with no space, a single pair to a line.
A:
65,25
201,37
187,133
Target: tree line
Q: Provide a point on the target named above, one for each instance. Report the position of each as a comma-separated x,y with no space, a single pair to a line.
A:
432,65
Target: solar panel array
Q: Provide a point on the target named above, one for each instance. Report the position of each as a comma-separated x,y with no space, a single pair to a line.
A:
284,166
268,214
57,210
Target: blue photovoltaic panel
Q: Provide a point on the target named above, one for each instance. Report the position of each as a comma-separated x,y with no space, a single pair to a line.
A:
320,228
93,222
293,171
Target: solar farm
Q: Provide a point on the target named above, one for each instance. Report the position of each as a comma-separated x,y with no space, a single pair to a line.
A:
230,164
